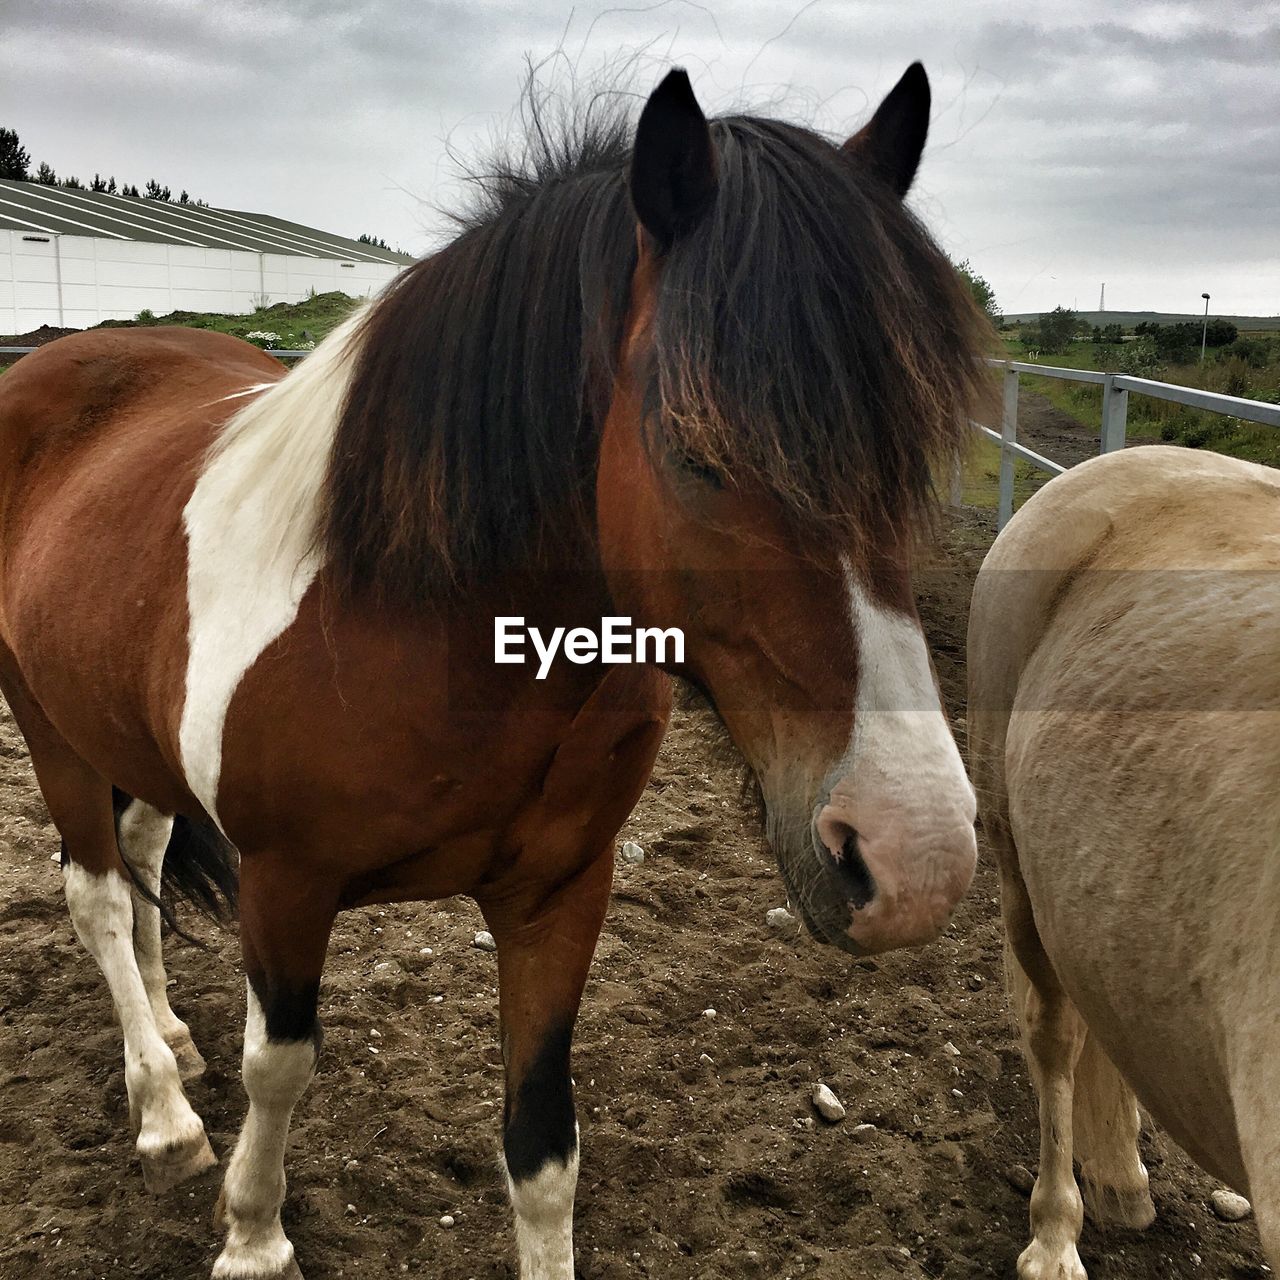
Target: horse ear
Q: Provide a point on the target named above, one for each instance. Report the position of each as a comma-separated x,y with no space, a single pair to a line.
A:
673,164
892,140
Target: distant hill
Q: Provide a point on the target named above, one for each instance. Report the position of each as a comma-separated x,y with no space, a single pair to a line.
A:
1246,324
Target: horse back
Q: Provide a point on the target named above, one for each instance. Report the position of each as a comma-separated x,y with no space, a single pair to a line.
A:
97,380
102,436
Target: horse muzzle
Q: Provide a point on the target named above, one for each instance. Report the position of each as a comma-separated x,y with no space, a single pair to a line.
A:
891,886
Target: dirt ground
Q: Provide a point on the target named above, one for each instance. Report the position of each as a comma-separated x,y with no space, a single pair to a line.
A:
691,1170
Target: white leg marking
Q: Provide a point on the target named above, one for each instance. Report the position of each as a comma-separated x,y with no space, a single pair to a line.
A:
171,1138
144,836
251,525
275,1076
544,1219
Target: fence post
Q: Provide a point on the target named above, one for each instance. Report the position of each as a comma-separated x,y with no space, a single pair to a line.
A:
1008,436
1115,412
955,482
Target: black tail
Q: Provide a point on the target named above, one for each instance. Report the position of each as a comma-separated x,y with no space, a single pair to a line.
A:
200,866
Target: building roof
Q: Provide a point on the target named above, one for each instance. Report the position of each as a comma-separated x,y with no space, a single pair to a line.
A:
31,206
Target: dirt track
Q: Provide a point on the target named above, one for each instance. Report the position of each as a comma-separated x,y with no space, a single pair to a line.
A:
690,1170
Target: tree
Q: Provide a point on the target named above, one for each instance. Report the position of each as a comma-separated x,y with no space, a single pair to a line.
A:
377,241
184,198
1176,343
983,294
111,185
99,183
14,157
46,176
156,192
73,184
1054,330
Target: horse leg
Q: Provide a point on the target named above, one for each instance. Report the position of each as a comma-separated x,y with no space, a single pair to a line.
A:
1106,1125
1053,1036
171,1140
285,921
144,836
544,952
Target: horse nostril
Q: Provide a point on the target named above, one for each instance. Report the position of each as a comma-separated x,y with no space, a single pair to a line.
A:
847,864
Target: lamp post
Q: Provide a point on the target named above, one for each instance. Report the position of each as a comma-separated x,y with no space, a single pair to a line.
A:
1204,331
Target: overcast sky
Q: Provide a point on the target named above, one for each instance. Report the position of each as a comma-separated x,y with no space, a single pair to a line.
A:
1071,143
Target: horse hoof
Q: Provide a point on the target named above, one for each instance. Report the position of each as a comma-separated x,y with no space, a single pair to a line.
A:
167,1169
290,1272
1045,1262
191,1064
1117,1207
241,1264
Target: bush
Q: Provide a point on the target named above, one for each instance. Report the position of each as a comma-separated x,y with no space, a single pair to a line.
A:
1257,353
1053,332
145,316
1139,359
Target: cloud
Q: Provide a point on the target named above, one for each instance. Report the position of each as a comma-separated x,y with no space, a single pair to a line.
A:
1070,144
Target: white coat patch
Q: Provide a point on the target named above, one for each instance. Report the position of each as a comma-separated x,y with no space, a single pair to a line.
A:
251,527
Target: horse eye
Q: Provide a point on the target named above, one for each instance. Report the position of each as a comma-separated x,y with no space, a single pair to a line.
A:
699,470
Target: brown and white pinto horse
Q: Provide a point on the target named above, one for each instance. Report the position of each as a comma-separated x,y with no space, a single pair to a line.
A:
697,378
1124,717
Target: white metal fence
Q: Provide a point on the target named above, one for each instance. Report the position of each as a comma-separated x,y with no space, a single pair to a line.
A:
1115,408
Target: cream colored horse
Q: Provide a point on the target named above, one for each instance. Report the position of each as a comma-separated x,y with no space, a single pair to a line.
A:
1124,696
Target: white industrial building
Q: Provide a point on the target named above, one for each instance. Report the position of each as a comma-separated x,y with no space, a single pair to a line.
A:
75,258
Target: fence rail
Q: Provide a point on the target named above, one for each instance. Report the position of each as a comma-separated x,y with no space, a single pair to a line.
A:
1115,410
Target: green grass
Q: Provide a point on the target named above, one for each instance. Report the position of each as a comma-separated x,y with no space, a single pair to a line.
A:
314,316
1161,419
980,478
295,322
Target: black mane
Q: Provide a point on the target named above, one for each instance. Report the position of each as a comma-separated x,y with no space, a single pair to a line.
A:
810,339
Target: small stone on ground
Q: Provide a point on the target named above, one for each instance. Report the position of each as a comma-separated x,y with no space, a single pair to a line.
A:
1229,1206
484,941
829,1107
